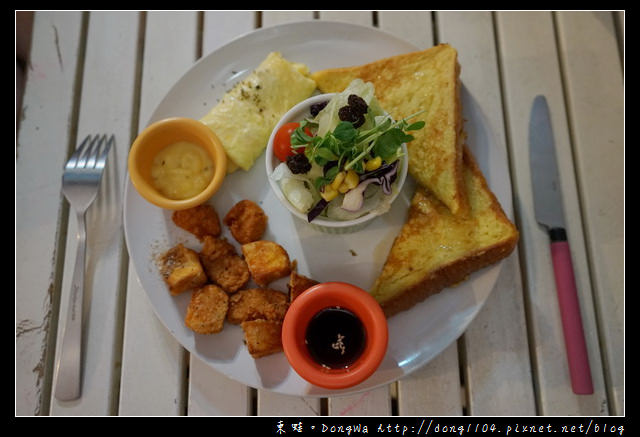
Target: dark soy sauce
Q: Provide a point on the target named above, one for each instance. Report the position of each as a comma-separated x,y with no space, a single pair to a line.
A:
335,337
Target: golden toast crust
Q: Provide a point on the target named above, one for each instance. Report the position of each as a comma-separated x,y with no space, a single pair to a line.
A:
447,276
437,249
409,83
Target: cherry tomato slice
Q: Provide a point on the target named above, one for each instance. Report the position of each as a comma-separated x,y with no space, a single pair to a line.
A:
282,141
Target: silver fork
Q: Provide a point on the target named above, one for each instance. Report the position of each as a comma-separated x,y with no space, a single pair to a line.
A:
80,184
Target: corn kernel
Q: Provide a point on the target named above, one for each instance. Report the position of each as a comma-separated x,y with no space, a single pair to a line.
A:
328,193
343,188
352,179
373,164
337,181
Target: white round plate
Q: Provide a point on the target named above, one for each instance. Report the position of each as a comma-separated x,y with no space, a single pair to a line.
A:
415,336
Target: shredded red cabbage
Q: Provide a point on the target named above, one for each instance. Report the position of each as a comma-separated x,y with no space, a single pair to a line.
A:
384,176
316,210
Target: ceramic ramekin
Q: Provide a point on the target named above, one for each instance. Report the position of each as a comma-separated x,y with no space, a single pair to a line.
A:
161,134
327,295
295,114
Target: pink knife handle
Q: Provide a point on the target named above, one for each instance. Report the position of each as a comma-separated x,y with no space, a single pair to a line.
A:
571,320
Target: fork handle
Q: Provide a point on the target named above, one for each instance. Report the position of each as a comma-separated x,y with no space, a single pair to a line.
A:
68,367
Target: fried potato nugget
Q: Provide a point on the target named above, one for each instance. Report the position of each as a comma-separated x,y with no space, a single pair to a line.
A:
267,261
207,310
263,337
213,247
246,221
223,265
299,283
200,220
181,269
257,303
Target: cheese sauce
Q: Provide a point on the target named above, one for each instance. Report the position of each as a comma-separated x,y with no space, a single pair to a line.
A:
181,170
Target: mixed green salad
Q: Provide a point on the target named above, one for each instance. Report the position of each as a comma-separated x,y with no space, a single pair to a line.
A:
343,159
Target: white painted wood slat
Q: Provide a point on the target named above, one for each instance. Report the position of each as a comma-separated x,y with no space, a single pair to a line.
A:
362,18
273,18
529,64
275,404
105,107
434,389
213,394
375,402
413,26
219,28
41,150
595,99
153,380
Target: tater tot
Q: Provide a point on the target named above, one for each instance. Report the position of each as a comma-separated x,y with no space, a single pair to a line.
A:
223,265
263,337
207,310
246,221
257,303
181,269
267,261
200,220
298,284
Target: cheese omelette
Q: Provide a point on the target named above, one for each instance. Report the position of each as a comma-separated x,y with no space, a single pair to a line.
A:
408,83
246,115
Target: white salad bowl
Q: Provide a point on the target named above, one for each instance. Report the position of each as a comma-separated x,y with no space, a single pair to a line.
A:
296,114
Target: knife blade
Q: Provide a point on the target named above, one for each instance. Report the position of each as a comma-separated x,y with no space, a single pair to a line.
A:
549,212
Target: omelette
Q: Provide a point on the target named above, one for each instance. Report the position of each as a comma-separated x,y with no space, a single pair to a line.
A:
406,84
246,115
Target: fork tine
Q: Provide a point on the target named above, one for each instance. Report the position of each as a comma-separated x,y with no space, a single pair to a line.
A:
102,158
86,153
94,152
73,160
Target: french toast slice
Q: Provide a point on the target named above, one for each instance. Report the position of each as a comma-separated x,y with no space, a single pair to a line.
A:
405,84
436,249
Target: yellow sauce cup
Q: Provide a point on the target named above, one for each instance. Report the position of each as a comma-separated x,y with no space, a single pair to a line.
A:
161,134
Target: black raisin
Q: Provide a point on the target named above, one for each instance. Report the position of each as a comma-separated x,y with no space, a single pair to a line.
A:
357,103
346,114
298,163
317,107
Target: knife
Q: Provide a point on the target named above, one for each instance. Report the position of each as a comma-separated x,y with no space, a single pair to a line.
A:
548,206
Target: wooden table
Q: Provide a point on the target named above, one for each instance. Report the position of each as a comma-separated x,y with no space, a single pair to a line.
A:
106,72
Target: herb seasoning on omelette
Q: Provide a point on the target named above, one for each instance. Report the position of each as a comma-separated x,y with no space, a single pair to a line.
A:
246,115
